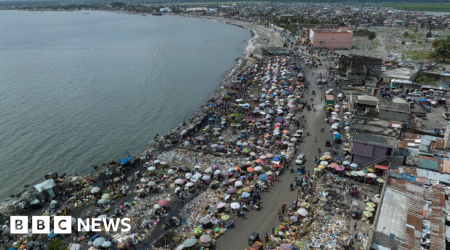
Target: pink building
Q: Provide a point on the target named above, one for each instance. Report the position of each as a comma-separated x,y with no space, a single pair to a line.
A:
331,38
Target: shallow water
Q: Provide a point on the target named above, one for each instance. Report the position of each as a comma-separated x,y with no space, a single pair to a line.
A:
80,89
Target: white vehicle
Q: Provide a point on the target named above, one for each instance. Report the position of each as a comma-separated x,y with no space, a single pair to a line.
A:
300,159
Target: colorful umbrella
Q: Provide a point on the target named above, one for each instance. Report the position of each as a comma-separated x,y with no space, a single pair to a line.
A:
333,165
370,204
321,167
225,217
198,230
286,246
370,209
162,202
368,214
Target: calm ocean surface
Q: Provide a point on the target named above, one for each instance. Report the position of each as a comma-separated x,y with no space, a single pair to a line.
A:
80,89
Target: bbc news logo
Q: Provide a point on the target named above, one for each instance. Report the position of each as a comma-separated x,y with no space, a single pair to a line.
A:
64,225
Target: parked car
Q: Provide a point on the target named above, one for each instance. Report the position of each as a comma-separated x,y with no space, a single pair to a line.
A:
300,159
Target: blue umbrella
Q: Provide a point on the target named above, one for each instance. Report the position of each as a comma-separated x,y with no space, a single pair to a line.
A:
263,177
276,158
230,169
239,143
346,163
245,195
354,165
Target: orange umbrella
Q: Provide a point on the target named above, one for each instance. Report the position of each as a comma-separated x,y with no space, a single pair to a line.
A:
277,125
250,169
281,226
266,135
258,161
237,168
285,131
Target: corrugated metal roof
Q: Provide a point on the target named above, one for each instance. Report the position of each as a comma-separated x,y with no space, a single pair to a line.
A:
403,210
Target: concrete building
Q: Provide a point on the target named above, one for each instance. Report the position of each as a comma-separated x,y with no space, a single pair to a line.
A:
365,104
341,38
360,70
398,74
370,149
393,111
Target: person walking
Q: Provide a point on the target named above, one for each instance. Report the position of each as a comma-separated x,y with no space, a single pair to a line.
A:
354,226
266,237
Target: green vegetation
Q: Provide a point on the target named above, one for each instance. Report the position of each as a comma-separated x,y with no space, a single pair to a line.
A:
422,79
417,55
429,34
57,244
406,34
118,4
372,35
441,50
419,7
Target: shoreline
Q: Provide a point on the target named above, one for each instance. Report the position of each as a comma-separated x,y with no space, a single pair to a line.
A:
241,62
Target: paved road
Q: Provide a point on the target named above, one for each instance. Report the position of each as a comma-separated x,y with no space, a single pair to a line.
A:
267,218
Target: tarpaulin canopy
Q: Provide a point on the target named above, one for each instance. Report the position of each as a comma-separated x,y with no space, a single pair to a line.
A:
383,167
125,160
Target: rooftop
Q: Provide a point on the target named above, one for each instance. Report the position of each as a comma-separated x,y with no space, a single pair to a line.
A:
380,140
401,107
410,213
399,73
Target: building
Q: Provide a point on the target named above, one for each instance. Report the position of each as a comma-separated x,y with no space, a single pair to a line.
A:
398,74
360,70
393,111
341,38
365,104
370,149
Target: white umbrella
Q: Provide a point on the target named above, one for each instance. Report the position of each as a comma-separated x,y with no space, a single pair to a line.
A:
235,205
151,183
197,166
208,170
95,190
189,184
325,163
156,206
188,176
206,177
238,183
302,212
217,172
258,168
151,168
179,181
371,175
170,171
102,201
361,173
337,106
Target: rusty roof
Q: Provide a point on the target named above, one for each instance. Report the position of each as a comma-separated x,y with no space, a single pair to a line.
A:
417,211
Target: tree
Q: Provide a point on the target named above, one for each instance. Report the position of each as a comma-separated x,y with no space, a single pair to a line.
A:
406,34
416,30
406,24
429,34
441,50
372,35
403,42
285,44
57,244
